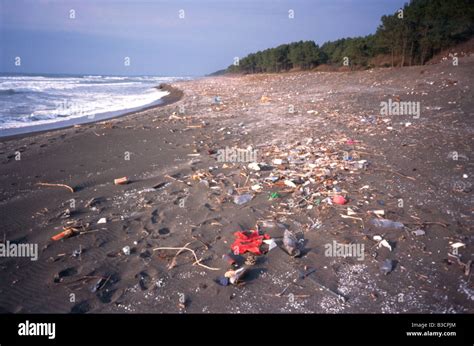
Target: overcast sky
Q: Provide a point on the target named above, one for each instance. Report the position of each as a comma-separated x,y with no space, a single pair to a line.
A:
96,37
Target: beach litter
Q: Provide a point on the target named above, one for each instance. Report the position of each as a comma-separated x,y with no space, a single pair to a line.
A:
235,276
418,232
242,199
290,243
121,181
68,232
388,224
248,242
387,266
126,250
339,200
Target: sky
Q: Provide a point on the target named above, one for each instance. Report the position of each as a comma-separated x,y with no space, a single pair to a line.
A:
168,37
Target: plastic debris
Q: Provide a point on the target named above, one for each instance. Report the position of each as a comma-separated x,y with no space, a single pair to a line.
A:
418,232
102,220
350,211
121,181
385,223
248,242
126,250
97,285
223,281
277,161
242,199
256,187
64,234
234,276
457,245
338,199
387,266
274,195
290,243
271,244
254,166
385,243
382,242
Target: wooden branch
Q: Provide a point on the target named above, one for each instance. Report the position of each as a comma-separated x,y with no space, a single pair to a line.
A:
57,185
198,261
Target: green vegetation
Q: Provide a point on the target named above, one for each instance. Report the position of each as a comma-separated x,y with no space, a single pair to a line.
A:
412,36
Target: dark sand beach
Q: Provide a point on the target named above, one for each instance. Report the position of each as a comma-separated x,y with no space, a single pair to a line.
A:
179,193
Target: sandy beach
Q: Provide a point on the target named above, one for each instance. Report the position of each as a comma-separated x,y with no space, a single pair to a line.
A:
310,132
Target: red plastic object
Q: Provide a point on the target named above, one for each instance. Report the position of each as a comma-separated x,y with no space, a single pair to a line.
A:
339,200
248,241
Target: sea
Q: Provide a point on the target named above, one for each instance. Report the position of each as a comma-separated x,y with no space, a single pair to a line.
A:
30,103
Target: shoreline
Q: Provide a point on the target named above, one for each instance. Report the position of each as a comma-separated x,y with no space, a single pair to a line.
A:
173,96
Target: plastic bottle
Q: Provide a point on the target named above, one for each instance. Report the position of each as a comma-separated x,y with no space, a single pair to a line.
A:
385,223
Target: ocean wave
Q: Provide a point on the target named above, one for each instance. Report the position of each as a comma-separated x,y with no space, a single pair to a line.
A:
38,100
7,91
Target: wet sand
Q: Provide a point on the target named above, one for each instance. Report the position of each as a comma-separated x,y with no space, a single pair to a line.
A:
180,193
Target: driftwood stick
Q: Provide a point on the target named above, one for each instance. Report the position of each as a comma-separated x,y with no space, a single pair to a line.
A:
198,261
57,185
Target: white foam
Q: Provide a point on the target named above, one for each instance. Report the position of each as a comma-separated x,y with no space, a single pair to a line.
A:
38,100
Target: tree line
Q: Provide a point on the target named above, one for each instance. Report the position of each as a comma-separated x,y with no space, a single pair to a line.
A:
410,36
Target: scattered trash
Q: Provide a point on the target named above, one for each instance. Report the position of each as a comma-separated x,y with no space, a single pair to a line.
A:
387,266
289,183
65,214
102,220
97,286
457,245
248,241
385,223
256,187
277,161
382,242
378,212
338,199
121,181
68,232
274,195
126,250
418,232
242,199
77,252
385,244
223,281
271,244
235,275
290,243
254,166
